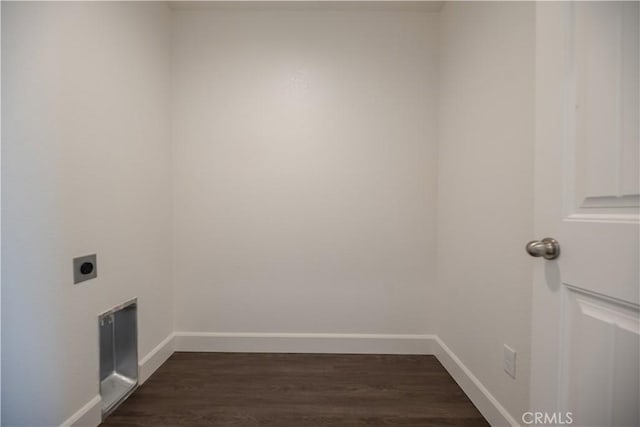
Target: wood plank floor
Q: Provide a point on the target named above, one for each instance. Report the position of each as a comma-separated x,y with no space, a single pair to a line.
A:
297,390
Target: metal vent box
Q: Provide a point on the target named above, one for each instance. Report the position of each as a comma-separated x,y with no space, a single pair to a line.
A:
118,354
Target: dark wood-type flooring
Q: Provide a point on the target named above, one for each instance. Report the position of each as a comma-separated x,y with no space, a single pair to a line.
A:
297,390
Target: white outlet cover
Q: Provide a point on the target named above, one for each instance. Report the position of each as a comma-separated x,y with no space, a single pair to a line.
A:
509,361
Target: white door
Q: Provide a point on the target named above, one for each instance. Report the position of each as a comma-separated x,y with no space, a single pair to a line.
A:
585,349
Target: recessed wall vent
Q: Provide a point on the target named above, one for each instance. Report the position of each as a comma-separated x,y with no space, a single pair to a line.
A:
118,354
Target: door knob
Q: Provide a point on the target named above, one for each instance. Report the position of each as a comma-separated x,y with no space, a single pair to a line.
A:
548,248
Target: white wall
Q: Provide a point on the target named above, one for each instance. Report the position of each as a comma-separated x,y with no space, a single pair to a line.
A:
485,190
304,170
85,168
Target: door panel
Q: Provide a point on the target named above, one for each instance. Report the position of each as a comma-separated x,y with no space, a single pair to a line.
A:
600,361
604,61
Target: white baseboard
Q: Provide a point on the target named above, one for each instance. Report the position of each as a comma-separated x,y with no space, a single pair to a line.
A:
304,343
155,358
90,415
486,403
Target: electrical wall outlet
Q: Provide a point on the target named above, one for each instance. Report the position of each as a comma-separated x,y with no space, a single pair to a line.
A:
509,361
85,268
